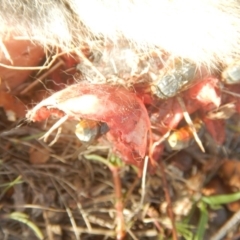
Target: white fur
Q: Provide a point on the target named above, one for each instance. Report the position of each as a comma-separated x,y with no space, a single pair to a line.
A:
203,31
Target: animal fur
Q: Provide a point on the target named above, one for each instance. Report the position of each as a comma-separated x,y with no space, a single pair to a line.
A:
202,31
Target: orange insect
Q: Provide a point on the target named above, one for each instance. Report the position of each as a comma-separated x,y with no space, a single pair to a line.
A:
183,137
88,130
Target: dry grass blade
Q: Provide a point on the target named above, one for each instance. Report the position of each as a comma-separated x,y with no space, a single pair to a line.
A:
69,212
227,227
5,51
43,76
190,123
54,127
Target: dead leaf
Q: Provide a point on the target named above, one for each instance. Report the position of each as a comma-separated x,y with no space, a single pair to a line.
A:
13,107
38,155
230,174
18,53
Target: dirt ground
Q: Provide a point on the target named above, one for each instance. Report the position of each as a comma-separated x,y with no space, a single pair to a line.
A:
77,190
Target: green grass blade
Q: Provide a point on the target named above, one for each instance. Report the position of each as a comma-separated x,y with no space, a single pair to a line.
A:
24,218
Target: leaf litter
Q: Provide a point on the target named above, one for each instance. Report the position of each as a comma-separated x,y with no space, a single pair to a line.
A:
76,190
